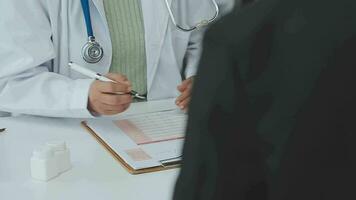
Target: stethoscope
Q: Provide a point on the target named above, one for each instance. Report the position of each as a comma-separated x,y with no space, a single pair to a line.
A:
92,51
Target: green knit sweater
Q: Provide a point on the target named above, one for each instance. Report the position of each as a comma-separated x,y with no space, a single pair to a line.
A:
128,40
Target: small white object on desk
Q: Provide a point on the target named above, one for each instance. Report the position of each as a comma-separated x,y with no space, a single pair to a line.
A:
50,160
43,164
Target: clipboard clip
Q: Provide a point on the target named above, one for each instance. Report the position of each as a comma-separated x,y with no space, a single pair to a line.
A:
171,161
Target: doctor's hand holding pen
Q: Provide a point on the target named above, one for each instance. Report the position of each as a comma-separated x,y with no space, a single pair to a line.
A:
185,89
104,98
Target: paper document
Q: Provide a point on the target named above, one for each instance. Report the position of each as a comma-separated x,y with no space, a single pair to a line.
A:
144,140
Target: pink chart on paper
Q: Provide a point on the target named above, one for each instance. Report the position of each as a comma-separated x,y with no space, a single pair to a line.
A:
139,137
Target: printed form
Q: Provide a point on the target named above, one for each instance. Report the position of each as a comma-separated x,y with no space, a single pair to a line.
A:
153,127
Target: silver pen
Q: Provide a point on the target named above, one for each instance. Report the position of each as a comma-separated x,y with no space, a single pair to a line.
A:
100,77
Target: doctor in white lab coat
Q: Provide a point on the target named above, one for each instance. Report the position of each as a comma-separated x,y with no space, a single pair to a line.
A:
39,37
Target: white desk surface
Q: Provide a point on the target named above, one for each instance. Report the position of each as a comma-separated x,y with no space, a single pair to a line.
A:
95,173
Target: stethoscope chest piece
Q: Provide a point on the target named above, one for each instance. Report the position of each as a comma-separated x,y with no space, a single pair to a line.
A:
92,52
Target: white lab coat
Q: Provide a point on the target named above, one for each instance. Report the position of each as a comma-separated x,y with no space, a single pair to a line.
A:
40,37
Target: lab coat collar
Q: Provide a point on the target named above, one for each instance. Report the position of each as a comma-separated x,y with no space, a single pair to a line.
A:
155,16
99,4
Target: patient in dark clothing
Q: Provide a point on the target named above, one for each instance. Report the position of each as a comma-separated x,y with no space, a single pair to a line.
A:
273,108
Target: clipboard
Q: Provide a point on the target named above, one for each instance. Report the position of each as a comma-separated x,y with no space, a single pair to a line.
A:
166,166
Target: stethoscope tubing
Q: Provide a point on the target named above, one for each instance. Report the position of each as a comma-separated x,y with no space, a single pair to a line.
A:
86,12
197,26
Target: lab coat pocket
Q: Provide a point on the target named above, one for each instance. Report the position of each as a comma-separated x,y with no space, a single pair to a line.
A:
180,39
180,42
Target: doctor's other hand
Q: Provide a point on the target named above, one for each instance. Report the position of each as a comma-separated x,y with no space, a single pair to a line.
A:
104,98
185,89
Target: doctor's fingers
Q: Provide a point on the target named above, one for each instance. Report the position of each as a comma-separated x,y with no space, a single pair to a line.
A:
114,99
186,84
118,78
183,96
108,112
110,87
185,104
112,110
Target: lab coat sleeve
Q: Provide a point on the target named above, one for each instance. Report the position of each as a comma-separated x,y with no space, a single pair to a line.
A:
193,53
194,49
26,84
